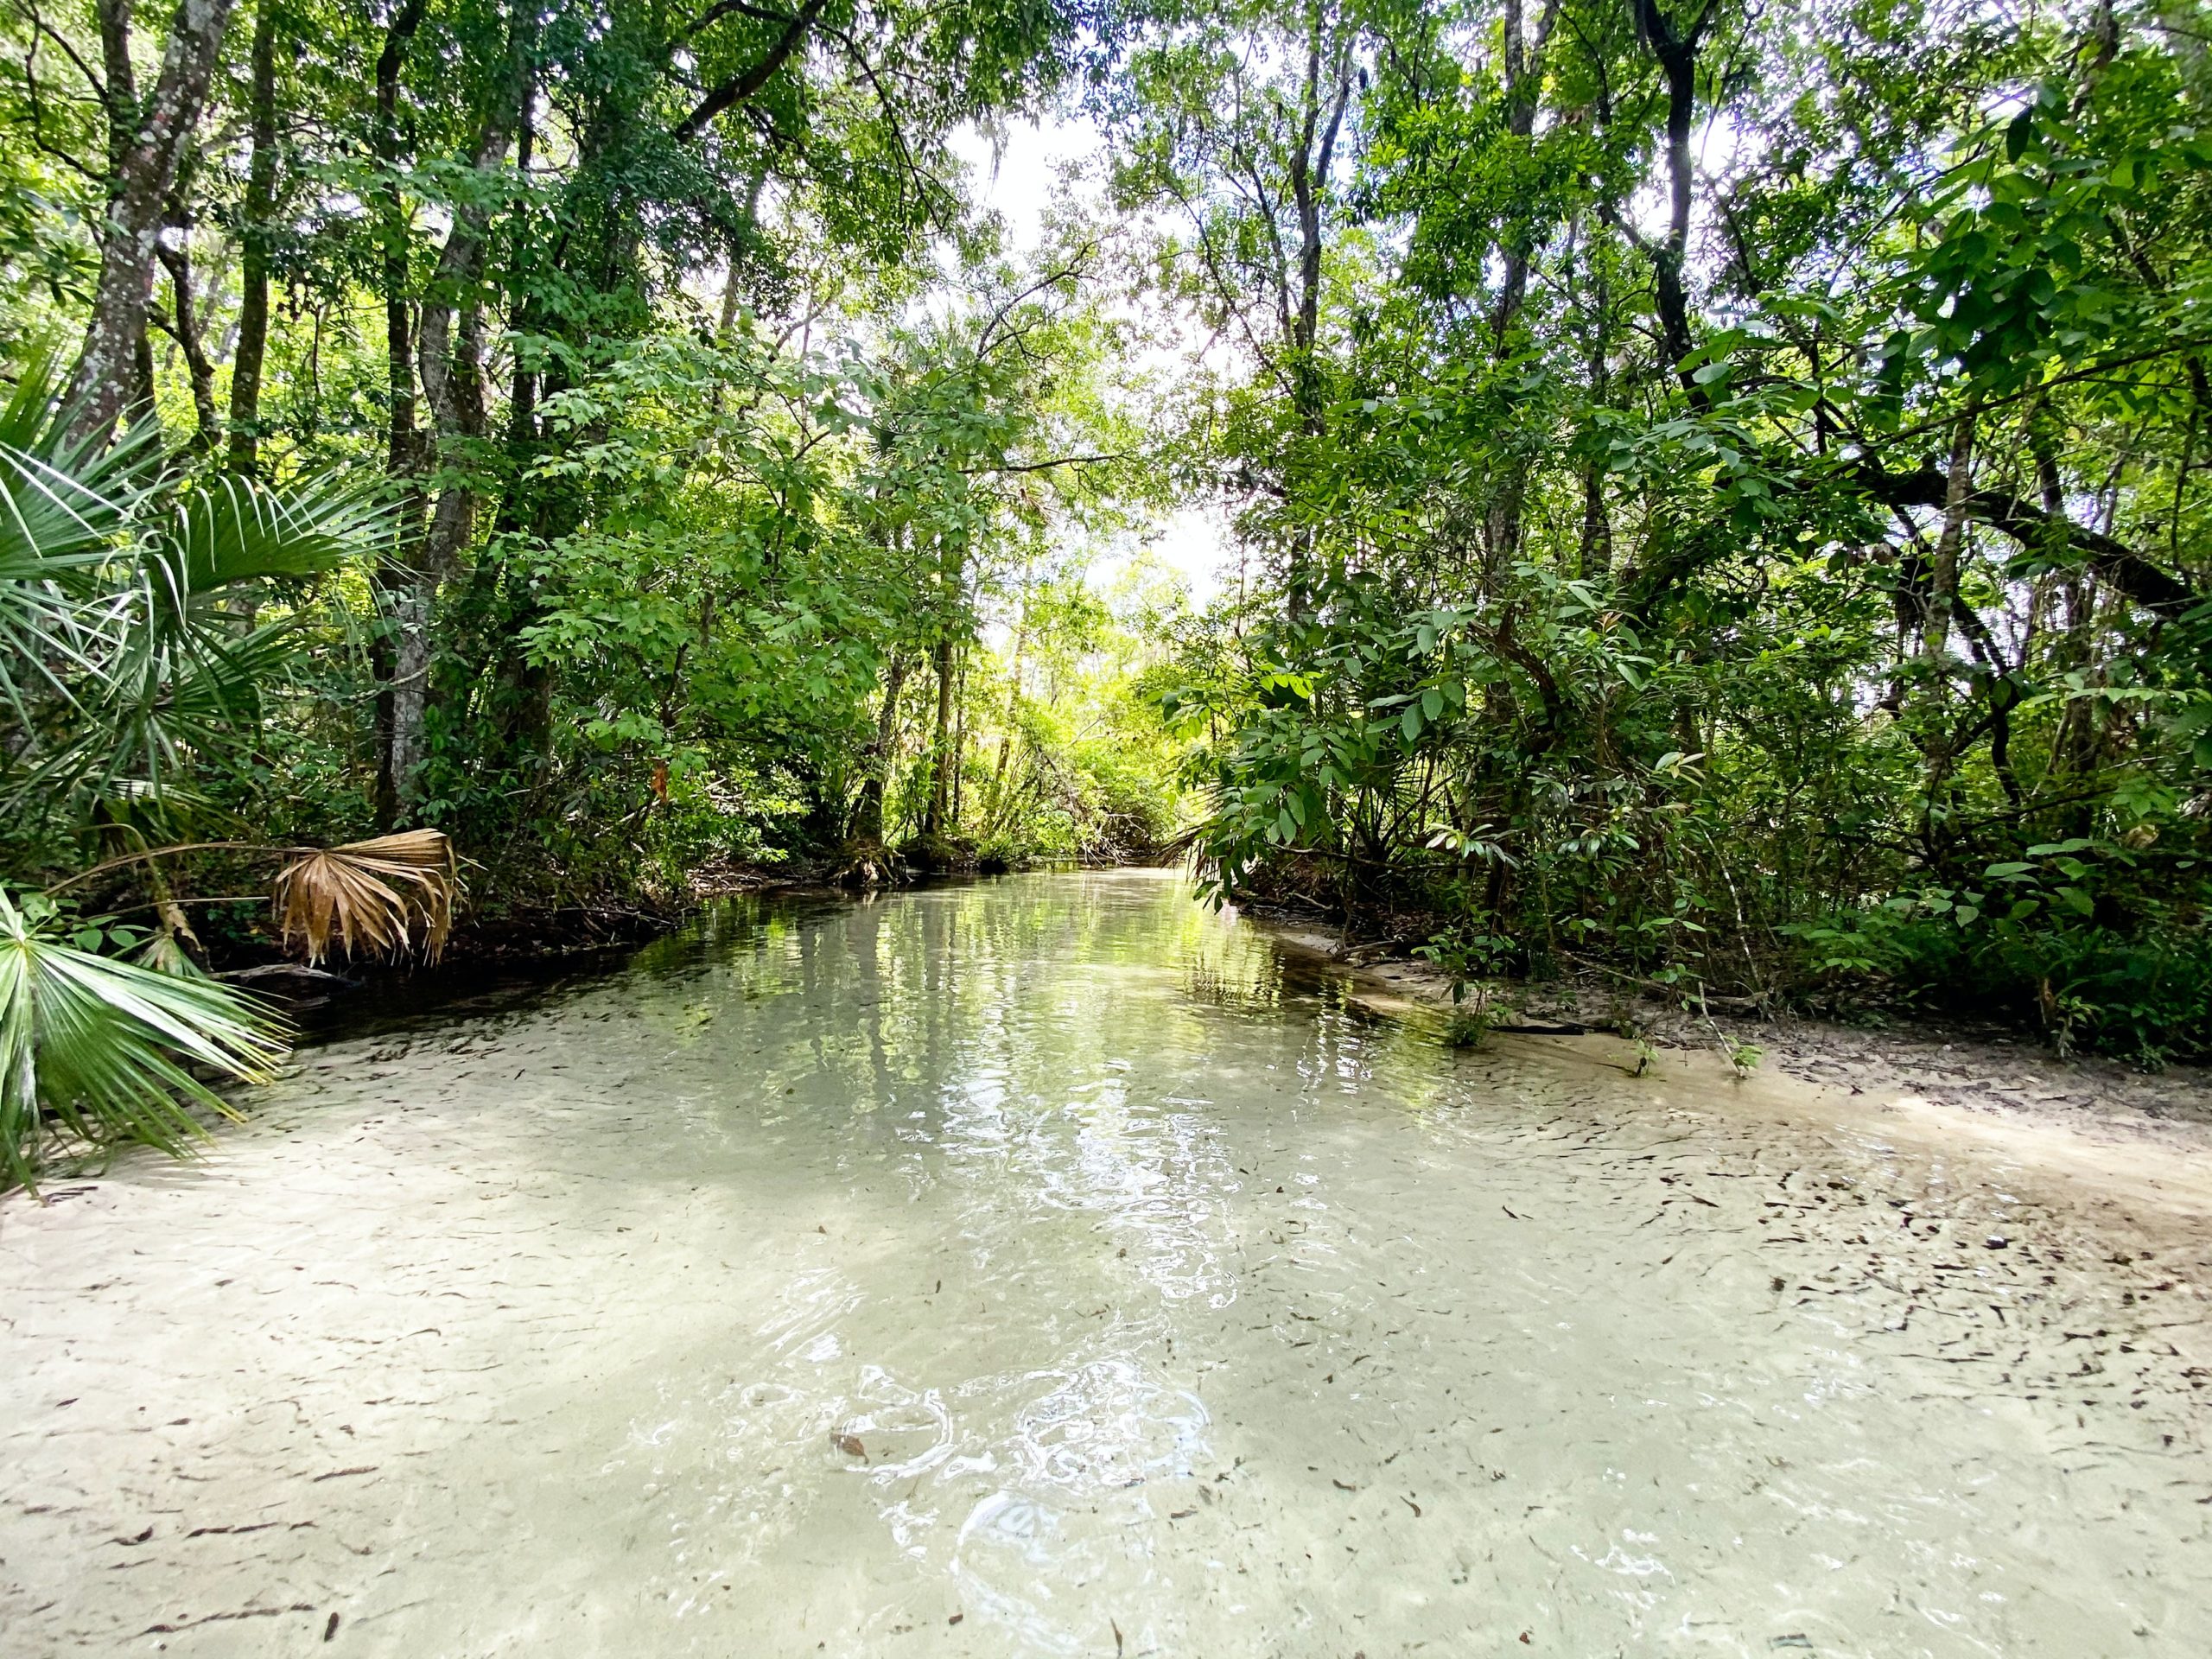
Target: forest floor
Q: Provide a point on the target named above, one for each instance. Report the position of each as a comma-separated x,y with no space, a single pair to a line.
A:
2114,1137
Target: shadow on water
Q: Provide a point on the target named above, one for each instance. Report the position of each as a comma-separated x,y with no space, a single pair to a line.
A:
440,995
397,1003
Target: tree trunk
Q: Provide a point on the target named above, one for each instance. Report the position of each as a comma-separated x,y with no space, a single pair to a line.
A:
522,398
941,740
867,814
1524,81
1312,154
253,279
402,441
1596,557
146,145
959,740
450,359
1943,569
1677,55
1013,714
401,456
182,325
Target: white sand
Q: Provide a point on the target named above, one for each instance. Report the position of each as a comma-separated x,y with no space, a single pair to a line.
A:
1036,1268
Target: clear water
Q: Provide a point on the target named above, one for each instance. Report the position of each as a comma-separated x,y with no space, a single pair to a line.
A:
1049,1267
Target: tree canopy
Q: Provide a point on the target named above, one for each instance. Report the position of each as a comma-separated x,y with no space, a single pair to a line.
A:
1717,489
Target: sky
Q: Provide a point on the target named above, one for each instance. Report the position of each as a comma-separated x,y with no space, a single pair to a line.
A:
1020,181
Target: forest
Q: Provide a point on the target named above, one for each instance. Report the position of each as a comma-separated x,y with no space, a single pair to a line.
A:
1715,492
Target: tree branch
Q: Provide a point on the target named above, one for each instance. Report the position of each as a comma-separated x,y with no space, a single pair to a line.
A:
2121,567
740,88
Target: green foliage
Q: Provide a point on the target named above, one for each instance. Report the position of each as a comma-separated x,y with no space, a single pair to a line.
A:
1468,1025
125,676
1802,593
100,1050
120,658
1769,563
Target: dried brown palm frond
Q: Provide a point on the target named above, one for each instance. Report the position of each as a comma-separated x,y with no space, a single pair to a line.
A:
385,896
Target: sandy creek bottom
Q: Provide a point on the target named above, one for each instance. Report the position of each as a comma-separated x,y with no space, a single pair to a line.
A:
1049,1265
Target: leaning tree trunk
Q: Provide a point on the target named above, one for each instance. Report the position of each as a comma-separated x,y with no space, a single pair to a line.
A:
146,144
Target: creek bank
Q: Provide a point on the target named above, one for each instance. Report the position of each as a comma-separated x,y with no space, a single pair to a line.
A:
520,941
2142,1140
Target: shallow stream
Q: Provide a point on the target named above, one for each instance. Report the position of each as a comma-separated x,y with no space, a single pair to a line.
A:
1049,1265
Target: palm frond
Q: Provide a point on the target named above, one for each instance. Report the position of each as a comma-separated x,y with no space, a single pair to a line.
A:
384,896
232,530
66,511
99,1050
64,502
180,680
110,572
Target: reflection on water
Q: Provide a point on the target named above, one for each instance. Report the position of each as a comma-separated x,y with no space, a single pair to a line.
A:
1049,1267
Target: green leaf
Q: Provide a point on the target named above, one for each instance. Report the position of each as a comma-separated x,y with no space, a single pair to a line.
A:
101,1047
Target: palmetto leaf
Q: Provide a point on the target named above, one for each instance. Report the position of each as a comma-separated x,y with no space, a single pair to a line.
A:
63,504
114,607
109,575
100,1049
64,513
167,694
383,896
233,531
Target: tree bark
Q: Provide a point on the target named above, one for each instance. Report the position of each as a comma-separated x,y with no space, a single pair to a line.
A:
867,812
244,458
1943,569
1524,84
941,740
449,358
742,87
401,456
1013,714
182,325
1676,51
2128,572
402,441
868,820
146,145
1313,153
959,743
1311,158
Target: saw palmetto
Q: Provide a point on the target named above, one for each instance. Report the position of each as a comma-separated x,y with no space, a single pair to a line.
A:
386,897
